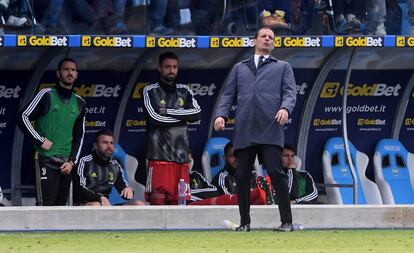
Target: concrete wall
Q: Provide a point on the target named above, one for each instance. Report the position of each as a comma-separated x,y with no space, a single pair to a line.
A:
200,217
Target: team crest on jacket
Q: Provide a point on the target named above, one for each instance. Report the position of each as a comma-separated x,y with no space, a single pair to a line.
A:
180,101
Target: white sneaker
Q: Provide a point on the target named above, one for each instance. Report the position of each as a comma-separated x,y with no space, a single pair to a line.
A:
16,21
380,30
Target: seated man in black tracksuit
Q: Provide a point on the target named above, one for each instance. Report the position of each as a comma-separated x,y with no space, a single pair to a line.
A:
225,180
200,187
222,190
302,188
97,173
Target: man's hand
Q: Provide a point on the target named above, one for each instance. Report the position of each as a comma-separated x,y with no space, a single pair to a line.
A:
46,145
282,116
66,167
127,193
219,124
105,201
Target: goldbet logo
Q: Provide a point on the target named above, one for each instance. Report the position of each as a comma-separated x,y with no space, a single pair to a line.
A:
21,40
329,90
215,42
230,121
9,92
301,89
339,41
410,41
202,90
327,122
134,122
86,41
95,123
363,42
370,122
302,42
237,42
409,121
150,42
278,42
138,90
43,41
176,42
97,90
400,41
112,41
374,90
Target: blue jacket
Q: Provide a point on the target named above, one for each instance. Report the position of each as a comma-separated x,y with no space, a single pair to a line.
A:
259,95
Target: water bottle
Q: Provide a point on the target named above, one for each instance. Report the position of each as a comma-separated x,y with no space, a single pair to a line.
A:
182,190
1,195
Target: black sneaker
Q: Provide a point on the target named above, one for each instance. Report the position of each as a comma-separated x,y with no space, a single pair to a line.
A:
243,228
264,185
285,227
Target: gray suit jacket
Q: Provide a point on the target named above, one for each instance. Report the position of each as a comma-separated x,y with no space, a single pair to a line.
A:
260,94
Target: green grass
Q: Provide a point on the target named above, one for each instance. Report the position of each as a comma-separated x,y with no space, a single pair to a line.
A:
211,241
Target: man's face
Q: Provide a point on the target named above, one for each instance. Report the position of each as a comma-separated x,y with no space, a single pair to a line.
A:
264,43
67,74
288,160
105,146
168,69
230,158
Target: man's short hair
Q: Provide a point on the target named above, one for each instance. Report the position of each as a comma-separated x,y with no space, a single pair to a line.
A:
228,146
290,147
261,28
66,60
106,132
166,55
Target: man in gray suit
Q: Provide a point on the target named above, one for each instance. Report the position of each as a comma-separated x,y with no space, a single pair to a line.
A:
265,89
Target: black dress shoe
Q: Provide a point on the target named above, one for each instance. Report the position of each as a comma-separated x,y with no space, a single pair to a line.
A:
285,227
243,228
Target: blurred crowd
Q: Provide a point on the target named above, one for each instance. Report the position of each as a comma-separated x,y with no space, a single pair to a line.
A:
206,17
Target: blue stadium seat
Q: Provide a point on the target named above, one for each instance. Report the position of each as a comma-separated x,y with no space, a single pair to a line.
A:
394,172
129,165
337,171
212,159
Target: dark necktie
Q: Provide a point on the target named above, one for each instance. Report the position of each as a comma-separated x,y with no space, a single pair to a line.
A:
261,61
